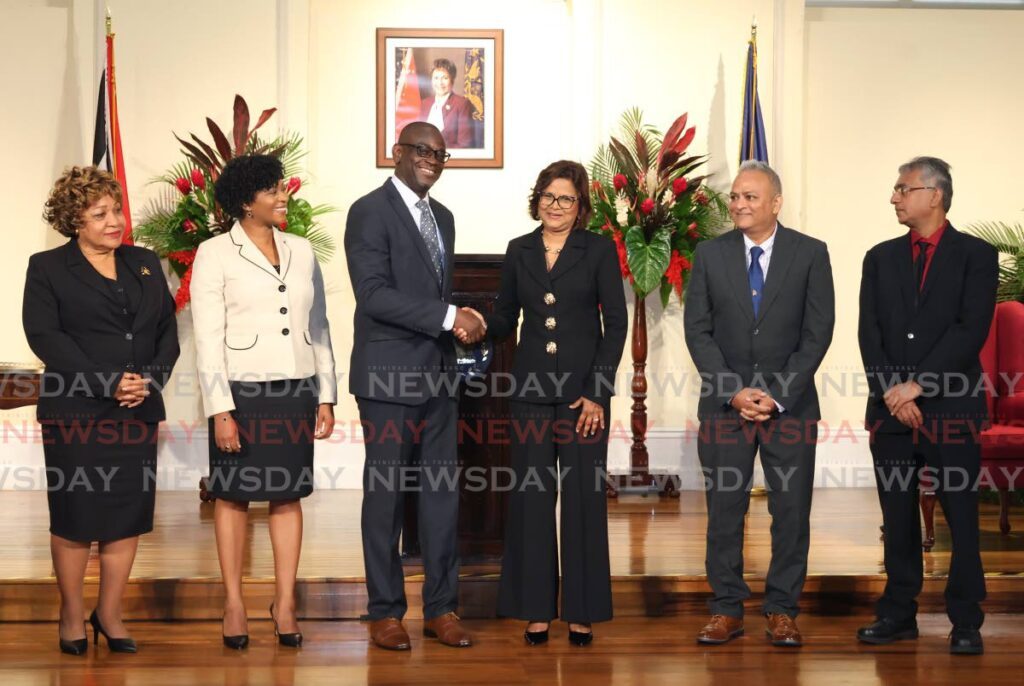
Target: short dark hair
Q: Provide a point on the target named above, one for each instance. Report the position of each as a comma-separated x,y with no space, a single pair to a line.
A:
242,178
572,171
77,189
447,65
934,171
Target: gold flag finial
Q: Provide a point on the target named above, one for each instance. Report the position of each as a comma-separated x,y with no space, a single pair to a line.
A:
110,31
753,27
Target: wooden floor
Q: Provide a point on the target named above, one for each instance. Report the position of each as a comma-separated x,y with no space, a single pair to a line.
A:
625,651
657,559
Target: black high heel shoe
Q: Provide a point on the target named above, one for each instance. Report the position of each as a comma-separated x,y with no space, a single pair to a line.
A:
581,638
77,647
116,645
287,640
535,638
237,642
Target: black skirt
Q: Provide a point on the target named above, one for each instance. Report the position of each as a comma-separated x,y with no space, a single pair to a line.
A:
276,421
100,478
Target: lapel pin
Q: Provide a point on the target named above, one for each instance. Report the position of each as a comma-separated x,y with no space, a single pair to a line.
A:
145,271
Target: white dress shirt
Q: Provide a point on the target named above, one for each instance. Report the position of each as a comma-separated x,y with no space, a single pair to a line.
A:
410,199
436,115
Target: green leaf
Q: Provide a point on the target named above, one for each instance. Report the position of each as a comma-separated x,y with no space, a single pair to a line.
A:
647,261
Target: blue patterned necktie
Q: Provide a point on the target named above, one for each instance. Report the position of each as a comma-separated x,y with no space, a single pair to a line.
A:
756,277
428,229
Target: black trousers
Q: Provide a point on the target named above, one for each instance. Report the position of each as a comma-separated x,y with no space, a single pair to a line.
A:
545,450
726,448
410,446
951,464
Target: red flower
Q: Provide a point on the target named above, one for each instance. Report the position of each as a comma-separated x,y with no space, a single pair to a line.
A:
691,230
183,185
198,180
188,225
620,247
647,206
619,181
294,184
283,225
677,266
679,186
184,294
700,197
185,257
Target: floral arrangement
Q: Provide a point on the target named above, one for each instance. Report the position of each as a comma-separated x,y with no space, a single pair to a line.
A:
187,214
648,201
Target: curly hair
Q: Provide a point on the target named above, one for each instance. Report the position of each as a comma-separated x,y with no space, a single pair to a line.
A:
445,65
244,177
571,171
77,189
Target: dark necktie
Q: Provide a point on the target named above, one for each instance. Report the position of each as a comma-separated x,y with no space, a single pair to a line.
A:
755,277
429,232
920,262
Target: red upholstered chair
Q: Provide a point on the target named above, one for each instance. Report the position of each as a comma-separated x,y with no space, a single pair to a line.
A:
1002,445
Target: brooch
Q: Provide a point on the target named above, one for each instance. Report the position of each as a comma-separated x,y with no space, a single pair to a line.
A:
145,271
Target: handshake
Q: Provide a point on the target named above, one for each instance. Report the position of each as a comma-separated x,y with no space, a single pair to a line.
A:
470,326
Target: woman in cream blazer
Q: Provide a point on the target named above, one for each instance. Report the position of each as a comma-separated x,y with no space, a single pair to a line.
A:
266,370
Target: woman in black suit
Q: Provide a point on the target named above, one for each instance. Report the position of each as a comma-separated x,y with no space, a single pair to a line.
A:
567,283
101,318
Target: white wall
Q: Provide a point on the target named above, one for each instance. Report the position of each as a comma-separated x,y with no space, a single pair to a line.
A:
847,95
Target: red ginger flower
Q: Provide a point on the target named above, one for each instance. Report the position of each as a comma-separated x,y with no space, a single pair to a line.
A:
620,248
294,184
619,181
188,225
185,257
183,185
198,180
677,266
184,294
647,206
679,186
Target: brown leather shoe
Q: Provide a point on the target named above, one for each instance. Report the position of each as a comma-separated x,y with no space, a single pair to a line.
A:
388,633
448,630
782,631
720,629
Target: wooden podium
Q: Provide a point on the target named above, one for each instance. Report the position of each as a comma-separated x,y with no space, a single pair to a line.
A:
481,511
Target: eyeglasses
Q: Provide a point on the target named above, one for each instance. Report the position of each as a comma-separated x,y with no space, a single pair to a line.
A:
564,201
903,190
425,151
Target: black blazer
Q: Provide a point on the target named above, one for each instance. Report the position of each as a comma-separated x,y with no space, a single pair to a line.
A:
76,327
562,353
941,335
778,351
399,352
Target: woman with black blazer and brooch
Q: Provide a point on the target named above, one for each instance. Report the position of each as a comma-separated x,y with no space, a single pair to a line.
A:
567,283
100,317
266,370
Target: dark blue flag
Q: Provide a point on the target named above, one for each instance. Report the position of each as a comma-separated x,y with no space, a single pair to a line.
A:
753,145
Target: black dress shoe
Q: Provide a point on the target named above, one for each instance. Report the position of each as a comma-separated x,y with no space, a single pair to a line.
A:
116,645
287,640
885,630
581,638
965,640
239,642
535,638
77,647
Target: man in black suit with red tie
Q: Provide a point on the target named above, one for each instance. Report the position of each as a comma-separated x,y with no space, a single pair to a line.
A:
926,304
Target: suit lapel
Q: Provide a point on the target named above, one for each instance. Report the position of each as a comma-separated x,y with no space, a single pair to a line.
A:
80,268
533,257
736,271
248,251
148,301
405,219
778,268
943,251
572,252
903,267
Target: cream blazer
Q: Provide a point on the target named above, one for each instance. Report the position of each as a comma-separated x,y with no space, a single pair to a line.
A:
253,324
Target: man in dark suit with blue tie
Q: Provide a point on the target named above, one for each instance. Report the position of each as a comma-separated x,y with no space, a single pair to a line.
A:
760,309
399,244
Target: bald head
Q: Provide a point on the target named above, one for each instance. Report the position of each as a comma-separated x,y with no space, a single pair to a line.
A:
417,131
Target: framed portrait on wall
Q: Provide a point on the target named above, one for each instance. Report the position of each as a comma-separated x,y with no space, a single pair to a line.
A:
451,78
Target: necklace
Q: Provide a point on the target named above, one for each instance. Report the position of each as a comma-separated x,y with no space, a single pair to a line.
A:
553,251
